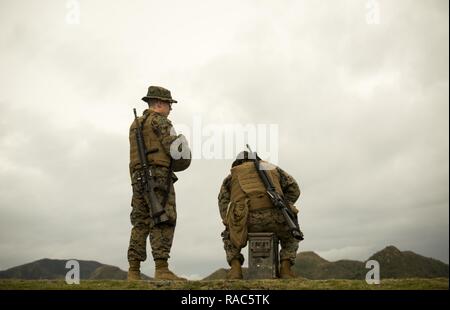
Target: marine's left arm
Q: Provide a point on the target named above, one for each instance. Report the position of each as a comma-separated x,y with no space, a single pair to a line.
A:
165,132
224,198
289,186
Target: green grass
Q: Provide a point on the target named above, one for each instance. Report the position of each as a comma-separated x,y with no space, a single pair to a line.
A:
294,284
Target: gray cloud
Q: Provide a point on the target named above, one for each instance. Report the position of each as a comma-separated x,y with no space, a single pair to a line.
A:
362,112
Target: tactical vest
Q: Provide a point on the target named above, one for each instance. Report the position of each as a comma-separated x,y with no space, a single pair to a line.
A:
246,184
155,151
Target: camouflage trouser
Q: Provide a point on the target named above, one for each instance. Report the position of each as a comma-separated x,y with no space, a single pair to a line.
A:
269,220
161,235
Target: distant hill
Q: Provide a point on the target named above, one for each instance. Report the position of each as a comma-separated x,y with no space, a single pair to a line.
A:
397,264
221,274
56,269
394,264
108,272
311,266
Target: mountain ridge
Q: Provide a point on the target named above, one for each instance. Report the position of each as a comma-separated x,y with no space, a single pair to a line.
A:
49,269
394,264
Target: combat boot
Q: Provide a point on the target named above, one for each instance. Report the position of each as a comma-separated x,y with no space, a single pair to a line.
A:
134,272
285,270
162,271
235,272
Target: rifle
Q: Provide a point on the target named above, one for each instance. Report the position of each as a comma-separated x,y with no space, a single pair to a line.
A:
277,200
146,178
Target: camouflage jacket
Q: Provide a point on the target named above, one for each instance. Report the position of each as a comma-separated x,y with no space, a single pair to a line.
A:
288,184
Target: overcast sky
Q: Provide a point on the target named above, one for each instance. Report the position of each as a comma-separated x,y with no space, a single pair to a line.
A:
362,110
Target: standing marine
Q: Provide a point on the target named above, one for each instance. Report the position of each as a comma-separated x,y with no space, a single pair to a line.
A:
153,160
245,206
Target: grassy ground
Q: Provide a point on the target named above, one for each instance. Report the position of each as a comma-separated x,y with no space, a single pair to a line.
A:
295,284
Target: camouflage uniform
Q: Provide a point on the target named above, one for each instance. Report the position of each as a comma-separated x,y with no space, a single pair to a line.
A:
161,235
267,220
